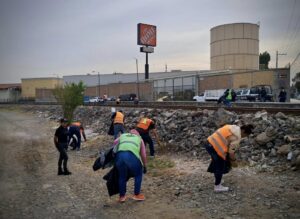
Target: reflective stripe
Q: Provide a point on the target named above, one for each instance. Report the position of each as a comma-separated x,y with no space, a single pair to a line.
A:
218,146
224,141
130,142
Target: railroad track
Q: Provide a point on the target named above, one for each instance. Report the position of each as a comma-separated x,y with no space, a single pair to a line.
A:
273,108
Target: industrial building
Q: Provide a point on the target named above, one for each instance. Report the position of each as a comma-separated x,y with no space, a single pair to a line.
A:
10,93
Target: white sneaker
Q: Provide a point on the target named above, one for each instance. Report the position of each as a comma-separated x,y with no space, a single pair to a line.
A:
220,188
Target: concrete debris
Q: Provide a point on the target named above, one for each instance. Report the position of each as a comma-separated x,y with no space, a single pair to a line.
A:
274,137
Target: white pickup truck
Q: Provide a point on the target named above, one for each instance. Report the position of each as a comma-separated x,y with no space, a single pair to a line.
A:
209,95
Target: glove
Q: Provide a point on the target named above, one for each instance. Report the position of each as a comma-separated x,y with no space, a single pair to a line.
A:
145,170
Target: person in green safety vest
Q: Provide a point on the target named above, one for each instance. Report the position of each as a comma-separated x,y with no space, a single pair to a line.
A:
130,161
229,95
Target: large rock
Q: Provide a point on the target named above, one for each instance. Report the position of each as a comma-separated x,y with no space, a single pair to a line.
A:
222,117
280,115
284,149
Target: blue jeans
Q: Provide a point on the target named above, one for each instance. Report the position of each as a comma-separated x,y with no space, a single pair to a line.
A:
147,139
129,165
227,102
118,128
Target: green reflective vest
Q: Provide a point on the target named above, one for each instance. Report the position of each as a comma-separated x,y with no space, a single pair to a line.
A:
130,142
229,95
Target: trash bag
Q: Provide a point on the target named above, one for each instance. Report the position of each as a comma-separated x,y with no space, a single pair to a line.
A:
111,129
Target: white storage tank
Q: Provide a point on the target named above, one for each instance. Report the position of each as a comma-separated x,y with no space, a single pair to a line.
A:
234,46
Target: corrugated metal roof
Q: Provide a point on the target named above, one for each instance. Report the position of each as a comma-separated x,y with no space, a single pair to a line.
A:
7,86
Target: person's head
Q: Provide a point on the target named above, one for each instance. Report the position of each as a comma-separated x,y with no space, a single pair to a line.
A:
246,130
63,122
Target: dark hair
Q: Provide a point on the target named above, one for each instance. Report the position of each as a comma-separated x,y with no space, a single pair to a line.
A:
247,129
63,120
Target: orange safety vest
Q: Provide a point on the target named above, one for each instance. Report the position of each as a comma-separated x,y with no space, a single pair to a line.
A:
78,124
219,141
144,123
119,118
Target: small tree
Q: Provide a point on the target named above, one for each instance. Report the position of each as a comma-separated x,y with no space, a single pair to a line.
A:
264,59
70,96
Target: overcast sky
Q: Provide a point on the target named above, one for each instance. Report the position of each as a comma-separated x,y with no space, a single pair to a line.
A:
49,38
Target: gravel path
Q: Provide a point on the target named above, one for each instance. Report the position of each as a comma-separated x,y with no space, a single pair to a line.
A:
30,188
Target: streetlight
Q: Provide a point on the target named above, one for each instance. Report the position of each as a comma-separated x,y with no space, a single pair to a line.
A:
137,78
98,90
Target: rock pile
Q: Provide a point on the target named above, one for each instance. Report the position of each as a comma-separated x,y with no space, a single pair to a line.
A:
275,141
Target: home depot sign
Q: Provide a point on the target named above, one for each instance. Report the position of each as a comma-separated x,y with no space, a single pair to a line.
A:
146,35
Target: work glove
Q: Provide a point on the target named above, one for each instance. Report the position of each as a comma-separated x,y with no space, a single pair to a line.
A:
145,170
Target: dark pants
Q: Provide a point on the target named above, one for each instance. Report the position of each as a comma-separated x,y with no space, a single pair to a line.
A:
128,164
218,164
147,139
63,156
118,128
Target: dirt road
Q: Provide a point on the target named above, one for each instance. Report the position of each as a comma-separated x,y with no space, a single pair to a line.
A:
30,188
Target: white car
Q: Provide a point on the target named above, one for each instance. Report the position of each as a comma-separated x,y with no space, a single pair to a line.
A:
94,100
200,98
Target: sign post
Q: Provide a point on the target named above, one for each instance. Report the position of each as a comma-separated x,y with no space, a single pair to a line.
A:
147,39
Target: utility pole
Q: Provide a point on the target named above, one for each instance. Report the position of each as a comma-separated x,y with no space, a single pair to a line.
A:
137,78
99,83
279,54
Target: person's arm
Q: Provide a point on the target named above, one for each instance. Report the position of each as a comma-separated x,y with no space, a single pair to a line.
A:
83,134
113,116
234,140
143,153
55,139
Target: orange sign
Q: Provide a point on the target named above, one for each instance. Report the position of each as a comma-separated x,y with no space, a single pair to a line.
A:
146,35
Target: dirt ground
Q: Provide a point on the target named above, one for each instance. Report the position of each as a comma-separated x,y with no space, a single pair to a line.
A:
175,186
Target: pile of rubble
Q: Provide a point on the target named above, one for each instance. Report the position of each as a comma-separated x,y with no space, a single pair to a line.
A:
275,141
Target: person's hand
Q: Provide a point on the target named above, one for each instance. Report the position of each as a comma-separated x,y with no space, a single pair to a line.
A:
145,170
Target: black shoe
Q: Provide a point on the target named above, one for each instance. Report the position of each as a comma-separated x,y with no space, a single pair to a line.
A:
67,172
60,172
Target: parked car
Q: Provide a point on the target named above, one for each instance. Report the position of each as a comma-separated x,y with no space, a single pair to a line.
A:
95,100
241,95
127,97
200,98
254,93
111,99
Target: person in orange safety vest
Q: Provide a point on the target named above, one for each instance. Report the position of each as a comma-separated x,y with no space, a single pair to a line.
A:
118,120
144,126
221,146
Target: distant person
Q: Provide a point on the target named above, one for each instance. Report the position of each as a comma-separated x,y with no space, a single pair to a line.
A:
136,100
228,97
118,120
221,146
130,161
118,100
144,126
61,143
263,94
75,131
282,95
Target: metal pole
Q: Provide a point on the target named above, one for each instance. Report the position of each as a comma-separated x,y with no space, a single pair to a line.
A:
137,78
146,67
99,83
276,59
